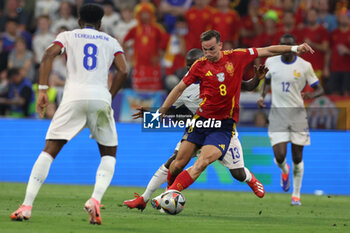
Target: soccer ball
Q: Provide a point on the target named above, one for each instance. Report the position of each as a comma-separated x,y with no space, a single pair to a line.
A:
172,202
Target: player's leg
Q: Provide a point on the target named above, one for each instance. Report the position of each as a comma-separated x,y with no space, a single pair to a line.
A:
280,152
101,123
67,122
209,154
37,177
244,175
157,180
300,137
234,161
104,175
183,156
298,172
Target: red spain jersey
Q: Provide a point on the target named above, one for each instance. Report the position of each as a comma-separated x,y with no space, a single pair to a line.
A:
198,21
317,35
227,24
339,62
148,41
220,83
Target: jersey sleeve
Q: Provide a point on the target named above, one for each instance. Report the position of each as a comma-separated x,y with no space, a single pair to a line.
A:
246,56
311,77
61,39
191,76
117,48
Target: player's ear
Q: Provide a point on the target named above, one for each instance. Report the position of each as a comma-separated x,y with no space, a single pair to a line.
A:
98,25
80,22
220,45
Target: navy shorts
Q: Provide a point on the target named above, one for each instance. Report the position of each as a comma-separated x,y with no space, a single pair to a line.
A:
219,137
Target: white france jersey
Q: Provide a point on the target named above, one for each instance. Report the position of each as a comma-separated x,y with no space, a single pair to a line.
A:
189,98
90,54
288,80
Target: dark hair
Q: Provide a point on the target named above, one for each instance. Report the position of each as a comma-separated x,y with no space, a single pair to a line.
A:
11,19
180,19
91,13
288,12
205,36
287,36
12,72
313,9
192,56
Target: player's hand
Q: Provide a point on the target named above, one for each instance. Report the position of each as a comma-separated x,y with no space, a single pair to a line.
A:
304,48
260,103
306,95
260,71
140,112
43,101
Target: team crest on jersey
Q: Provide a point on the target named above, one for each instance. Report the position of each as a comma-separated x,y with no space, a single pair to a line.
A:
229,68
221,77
296,74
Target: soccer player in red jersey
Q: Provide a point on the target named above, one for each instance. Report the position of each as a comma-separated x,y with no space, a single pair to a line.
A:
220,76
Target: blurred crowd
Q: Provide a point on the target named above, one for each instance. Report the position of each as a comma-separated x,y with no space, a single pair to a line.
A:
157,34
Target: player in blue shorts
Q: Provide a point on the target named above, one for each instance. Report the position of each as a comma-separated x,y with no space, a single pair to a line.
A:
233,161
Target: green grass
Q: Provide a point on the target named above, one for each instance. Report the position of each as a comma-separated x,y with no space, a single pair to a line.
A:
59,208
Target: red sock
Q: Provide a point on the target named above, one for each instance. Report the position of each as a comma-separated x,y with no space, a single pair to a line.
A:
170,179
182,181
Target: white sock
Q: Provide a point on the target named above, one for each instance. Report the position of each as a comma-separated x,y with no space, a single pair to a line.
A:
282,165
248,175
104,176
298,172
157,180
37,177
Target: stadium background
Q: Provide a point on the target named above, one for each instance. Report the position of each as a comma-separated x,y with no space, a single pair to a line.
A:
327,160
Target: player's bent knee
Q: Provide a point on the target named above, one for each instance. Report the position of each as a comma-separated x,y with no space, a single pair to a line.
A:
280,157
107,150
53,147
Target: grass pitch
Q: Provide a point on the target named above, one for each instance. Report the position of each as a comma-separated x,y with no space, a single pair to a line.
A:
59,208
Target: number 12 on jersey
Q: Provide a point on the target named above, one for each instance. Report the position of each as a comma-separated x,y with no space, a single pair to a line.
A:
90,59
285,86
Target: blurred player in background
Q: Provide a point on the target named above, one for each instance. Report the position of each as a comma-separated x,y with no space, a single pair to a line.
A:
233,159
288,74
86,103
220,75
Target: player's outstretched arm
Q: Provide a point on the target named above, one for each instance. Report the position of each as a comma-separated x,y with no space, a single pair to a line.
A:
173,96
122,71
44,73
252,83
281,49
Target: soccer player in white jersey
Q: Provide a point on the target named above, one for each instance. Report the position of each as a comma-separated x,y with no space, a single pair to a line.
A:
233,159
288,74
86,103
